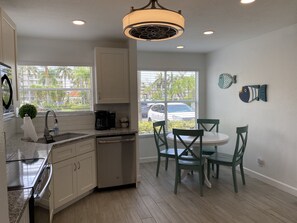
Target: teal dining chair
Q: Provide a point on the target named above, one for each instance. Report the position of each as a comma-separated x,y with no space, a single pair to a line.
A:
209,125
162,146
188,159
232,160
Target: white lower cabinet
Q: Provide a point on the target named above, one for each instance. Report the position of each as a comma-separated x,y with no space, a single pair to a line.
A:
86,173
64,182
75,173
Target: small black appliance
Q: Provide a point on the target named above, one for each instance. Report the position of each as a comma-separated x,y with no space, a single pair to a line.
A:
102,120
105,120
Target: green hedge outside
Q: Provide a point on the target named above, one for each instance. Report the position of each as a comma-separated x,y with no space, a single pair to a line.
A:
146,127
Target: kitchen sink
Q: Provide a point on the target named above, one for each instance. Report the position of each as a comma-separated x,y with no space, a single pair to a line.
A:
60,137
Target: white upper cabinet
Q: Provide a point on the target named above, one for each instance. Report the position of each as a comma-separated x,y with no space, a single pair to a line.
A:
8,41
8,47
111,75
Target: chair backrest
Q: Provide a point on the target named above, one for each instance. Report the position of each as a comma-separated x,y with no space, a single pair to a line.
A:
160,135
241,141
208,124
187,138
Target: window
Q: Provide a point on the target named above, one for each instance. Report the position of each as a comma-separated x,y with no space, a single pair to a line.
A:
61,88
167,95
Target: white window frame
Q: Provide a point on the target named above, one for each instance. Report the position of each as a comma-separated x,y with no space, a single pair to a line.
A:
63,113
196,100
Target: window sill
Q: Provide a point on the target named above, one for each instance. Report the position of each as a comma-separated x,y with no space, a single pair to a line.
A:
61,114
148,135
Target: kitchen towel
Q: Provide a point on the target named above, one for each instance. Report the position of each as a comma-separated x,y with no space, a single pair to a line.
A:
29,129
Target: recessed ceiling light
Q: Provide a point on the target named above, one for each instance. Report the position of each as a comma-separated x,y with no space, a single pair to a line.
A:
246,1
78,22
180,47
208,32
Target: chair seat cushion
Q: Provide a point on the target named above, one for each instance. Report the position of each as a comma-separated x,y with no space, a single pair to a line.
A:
208,150
190,161
170,152
220,158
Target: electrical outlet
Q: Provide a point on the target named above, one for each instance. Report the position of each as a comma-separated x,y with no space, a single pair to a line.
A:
260,161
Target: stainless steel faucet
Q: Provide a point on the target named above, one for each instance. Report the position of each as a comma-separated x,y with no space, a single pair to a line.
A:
48,137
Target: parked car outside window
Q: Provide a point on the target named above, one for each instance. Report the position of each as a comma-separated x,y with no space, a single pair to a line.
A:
176,112
145,108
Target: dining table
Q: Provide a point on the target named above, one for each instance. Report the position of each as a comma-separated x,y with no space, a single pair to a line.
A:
208,139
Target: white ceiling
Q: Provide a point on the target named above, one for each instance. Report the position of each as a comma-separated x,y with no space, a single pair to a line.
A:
231,21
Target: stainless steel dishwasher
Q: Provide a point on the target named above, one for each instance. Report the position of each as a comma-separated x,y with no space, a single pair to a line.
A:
116,161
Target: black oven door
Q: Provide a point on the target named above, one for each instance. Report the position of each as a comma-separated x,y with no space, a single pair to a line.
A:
42,198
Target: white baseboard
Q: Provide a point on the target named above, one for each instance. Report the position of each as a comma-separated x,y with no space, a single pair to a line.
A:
280,185
148,159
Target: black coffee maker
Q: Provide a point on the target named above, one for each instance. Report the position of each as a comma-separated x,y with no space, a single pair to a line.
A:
104,120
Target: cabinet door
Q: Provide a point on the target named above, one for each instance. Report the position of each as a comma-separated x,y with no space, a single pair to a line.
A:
85,146
64,182
112,76
8,47
63,152
86,172
8,41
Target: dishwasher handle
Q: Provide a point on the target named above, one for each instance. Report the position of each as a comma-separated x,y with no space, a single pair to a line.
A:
42,192
102,141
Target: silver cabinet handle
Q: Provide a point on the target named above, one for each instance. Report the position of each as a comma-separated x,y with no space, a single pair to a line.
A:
78,165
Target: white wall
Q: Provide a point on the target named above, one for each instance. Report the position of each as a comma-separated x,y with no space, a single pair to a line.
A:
41,51
269,59
170,61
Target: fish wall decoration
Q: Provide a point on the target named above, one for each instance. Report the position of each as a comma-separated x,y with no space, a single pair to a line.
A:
226,80
251,93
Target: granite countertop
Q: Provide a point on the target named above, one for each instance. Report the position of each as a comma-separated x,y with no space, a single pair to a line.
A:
17,149
18,201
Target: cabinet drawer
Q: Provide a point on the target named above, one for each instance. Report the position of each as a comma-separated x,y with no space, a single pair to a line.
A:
63,152
85,146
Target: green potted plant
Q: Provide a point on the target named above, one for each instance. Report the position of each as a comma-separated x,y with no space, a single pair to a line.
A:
28,109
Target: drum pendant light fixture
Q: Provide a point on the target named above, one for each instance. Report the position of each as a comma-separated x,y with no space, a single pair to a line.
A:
153,22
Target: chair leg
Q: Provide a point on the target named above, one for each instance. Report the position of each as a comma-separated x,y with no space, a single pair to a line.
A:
242,174
177,178
201,182
218,171
158,166
208,169
166,165
234,178
203,177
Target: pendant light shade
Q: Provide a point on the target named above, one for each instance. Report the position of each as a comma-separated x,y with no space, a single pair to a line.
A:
152,23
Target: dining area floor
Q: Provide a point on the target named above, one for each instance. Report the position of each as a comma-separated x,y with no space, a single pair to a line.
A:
154,201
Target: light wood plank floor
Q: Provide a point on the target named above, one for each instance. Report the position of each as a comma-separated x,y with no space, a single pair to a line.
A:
154,201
